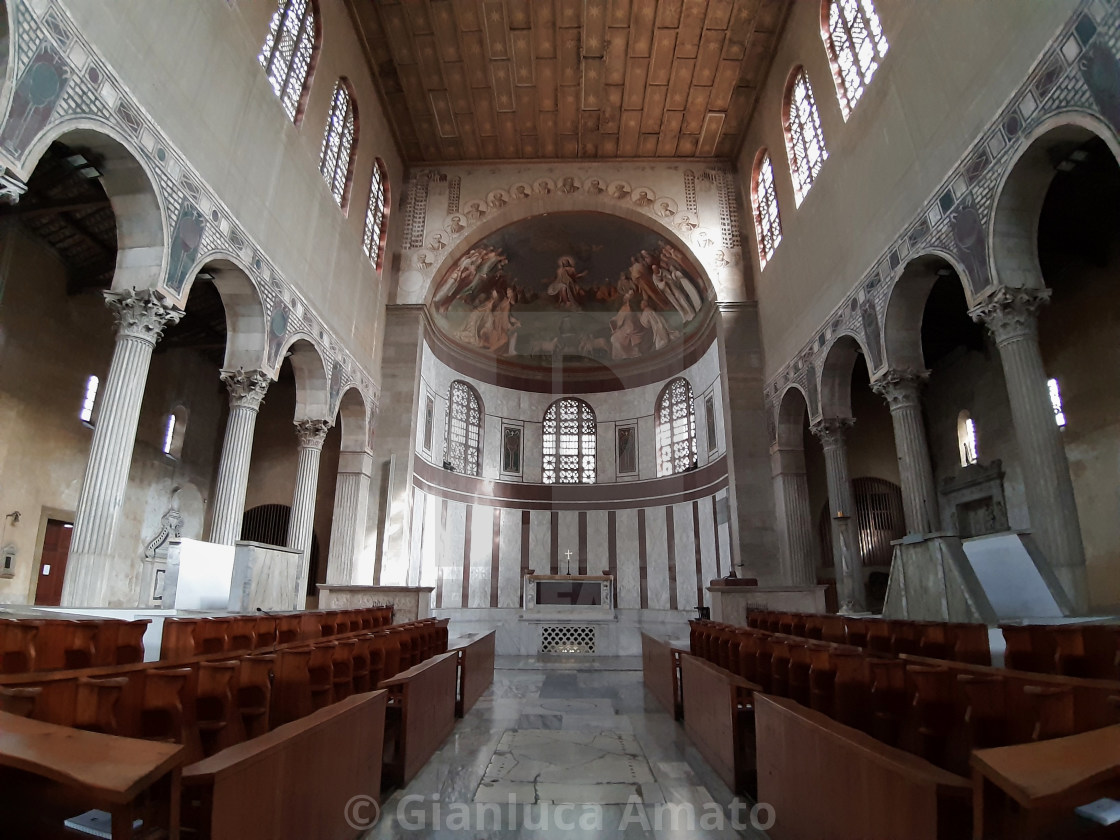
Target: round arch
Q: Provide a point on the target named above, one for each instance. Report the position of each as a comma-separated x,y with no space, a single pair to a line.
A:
130,185
902,323
539,205
793,410
312,382
836,374
1013,227
353,414
246,325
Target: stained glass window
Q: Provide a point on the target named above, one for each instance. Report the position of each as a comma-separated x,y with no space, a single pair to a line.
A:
675,416
336,161
855,42
375,215
289,52
804,138
1056,402
966,439
464,422
89,400
764,200
569,443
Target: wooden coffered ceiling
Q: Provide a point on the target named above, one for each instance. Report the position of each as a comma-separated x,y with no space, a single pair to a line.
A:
525,79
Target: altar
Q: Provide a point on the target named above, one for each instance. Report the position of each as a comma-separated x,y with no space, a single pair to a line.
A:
573,594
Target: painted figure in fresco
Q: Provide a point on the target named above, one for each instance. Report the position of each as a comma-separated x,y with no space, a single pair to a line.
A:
669,288
620,191
686,287
475,211
497,200
594,186
657,326
664,209
521,191
501,337
642,278
568,185
456,225
564,288
642,198
479,321
457,279
626,332
486,273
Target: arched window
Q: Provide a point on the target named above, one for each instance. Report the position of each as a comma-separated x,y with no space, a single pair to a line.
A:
376,215
289,51
174,432
854,41
569,443
966,439
336,161
675,416
804,139
464,425
89,400
764,201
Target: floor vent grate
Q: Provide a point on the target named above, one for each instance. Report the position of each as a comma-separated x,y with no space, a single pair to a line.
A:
567,638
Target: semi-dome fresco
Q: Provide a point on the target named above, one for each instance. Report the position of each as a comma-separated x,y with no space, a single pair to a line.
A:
570,285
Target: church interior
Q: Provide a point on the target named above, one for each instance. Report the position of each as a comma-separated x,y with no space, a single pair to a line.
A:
559,418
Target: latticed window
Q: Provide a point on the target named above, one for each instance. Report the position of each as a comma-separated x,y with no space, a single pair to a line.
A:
804,138
464,422
289,52
569,443
675,416
336,161
855,42
375,215
764,200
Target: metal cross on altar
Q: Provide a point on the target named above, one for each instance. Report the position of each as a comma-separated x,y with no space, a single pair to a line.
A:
568,555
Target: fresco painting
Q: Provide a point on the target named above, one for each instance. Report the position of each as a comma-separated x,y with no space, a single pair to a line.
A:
574,285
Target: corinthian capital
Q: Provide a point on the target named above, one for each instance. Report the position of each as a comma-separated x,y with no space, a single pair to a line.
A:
142,314
1011,313
246,387
311,433
900,387
830,431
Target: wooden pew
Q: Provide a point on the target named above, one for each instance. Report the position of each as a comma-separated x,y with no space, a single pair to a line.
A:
420,715
50,773
1030,790
293,783
827,780
661,673
718,717
17,646
476,670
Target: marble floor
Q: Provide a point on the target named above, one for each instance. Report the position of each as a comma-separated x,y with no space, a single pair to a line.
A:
567,747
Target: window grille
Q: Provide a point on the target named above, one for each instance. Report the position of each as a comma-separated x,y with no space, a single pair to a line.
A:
289,52
857,43
464,422
336,162
569,443
804,138
375,215
764,201
676,428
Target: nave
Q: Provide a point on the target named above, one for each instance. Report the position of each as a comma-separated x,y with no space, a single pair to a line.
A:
555,730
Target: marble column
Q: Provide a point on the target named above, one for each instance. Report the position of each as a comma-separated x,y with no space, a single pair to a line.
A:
141,317
246,392
902,391
1011,314
311,435
847,561
795,521
351,506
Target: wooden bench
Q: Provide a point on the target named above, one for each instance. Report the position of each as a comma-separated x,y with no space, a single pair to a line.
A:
827,780
1046,781
293,783
718,717
476,670
420,715
661,673
51,773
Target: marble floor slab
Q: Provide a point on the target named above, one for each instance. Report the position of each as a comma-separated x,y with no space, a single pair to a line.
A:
566,747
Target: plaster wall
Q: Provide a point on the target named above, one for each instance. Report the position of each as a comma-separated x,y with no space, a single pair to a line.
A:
193,66
949,68
50,343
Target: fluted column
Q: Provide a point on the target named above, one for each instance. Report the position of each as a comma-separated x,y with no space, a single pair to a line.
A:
1012,317
795,521
311,434
847,561
141,317
246,392
902,391
351,504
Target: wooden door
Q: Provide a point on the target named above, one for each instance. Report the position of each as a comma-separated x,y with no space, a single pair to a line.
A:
52,565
